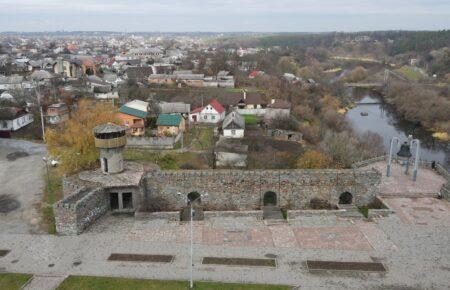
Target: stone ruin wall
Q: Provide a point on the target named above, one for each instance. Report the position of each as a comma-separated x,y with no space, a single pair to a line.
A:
244,190
228,190
76,212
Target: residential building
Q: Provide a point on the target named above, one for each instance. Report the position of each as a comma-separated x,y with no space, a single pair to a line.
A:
170,124
71,68
175,108
277,108
133,115
14,118
252,103
213,112
233,125
57,113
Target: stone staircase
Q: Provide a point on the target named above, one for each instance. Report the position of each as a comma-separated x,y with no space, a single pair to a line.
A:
271,212
351,211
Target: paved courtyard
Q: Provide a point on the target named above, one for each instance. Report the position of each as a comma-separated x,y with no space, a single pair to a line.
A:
416,254
22,183
412,243
428,181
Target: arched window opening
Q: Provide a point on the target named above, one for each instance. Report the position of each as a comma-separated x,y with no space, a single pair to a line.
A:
346,198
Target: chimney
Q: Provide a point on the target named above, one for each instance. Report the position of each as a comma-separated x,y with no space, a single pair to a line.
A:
272,101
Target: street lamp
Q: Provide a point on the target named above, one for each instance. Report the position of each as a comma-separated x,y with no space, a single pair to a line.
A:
191,254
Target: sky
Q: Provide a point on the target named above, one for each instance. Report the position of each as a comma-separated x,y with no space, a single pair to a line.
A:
223,15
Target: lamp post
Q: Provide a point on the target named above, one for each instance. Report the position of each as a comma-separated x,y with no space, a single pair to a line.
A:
417,157
191,250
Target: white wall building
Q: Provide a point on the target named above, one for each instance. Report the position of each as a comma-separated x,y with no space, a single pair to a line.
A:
233,125
213,113
12,119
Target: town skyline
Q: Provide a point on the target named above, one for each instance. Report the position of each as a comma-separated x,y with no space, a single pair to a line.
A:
223,16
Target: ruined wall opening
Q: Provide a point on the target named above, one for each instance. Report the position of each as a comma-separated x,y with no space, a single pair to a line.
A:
270,198
127,200
195,197
346,198
114,200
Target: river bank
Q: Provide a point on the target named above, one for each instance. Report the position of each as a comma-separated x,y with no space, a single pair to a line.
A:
384,120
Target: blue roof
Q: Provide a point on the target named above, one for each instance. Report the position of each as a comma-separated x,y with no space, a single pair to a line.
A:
133,112
168,120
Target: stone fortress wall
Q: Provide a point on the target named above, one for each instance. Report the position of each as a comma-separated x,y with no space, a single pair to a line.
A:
222,190
244,190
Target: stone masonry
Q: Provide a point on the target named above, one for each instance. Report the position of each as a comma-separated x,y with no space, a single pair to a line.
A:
87,195
244,190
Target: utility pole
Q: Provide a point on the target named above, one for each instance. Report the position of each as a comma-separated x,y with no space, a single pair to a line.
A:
38,97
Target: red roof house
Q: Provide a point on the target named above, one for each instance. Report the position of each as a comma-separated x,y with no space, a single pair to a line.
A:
213,112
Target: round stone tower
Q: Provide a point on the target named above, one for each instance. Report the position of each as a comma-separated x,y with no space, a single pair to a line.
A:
110,139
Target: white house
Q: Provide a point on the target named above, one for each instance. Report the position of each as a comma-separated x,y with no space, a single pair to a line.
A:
213,113
233,125
12,118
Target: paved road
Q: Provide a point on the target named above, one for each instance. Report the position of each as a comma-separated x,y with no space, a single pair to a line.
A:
22,183
417,255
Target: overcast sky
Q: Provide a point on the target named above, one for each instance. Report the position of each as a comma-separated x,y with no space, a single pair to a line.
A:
224,15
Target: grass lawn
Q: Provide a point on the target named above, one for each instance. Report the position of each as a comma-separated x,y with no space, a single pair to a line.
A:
10,281
52,193
105,283
200,137
251,119
167,161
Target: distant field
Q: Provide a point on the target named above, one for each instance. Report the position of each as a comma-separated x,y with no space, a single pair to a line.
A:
106,283
412,73
248,89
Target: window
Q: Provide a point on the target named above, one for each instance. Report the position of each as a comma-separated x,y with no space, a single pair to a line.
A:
233,132
213,117
127,123
205,117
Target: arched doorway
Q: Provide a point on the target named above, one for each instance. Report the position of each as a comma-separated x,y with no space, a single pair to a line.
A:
194,199
194,196
346,198
270,198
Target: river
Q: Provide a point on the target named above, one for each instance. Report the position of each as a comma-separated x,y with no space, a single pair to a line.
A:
382,119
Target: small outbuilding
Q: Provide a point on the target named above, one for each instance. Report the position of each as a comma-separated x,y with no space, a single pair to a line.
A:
170,125
233,125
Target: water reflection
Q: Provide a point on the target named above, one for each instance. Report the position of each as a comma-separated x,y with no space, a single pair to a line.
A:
383,120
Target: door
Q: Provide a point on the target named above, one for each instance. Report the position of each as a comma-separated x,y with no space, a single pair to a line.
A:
127,200
105,164
114,200
194,118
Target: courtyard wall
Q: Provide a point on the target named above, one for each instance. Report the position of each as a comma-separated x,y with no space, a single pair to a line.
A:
244,189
